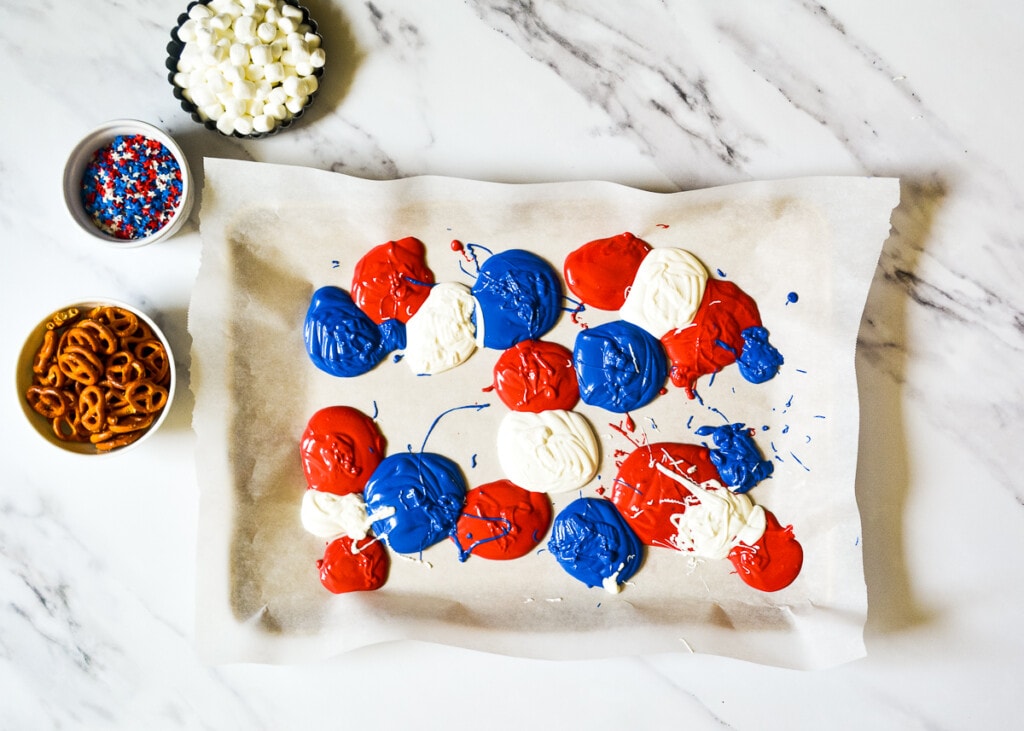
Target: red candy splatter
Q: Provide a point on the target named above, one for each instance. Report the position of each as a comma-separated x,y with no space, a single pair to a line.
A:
714,339
340,449
773,562
536,375
647,498
392,280
501,521
602,271
350,566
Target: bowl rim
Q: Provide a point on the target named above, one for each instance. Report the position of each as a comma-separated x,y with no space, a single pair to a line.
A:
79,157
23,377
174,48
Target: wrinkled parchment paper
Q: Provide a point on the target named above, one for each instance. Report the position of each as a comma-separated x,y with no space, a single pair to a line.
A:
273,234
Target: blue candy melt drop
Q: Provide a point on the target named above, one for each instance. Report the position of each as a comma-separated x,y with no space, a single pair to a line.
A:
593,542
342,340
419,496
619,366
519,297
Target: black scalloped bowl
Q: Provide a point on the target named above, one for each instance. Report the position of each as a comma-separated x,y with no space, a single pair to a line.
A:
174,48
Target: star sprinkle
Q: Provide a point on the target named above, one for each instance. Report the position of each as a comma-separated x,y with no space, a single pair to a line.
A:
132,187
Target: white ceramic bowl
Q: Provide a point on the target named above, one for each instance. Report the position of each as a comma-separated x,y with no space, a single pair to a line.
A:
79,159
24,375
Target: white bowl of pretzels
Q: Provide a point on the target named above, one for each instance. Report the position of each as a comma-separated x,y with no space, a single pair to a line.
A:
96,377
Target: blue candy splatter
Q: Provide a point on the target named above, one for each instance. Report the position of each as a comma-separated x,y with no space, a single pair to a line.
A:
736,456
759,361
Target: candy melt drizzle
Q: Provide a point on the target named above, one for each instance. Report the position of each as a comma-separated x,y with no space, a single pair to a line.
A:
620,366
536,375
736,456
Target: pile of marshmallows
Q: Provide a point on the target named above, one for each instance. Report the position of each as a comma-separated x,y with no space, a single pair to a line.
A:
248,64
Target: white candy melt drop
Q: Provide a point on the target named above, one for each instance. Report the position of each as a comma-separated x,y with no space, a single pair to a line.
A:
551,451
666,291
327,515
441,334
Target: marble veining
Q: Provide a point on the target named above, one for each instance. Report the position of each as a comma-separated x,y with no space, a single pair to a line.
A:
97,561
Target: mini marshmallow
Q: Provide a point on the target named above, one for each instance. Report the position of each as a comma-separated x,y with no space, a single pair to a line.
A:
226,123
312,40
266,32
203,96
263,123
304,69
275,110
239,54
291,85
291,11
243,125
274,72
214,111
244,90
187,30
253,72
199,11
220,22
277,95
261,55
244,26
296,103
308,85
233,74
204,37
317,58
287,25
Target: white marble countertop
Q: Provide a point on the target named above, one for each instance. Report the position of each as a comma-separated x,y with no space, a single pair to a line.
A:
97,565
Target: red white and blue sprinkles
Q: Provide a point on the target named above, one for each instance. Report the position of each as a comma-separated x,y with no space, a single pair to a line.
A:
131,188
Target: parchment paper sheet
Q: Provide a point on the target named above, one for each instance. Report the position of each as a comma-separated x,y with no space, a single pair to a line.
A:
273,234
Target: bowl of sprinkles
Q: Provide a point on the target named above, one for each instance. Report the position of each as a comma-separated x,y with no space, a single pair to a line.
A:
127,183
95,377
245,68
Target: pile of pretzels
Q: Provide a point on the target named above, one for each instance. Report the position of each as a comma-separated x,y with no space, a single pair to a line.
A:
101,377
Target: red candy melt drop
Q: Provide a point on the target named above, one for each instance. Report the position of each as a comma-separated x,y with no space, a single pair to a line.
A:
774,562
535,376
501,520
714,339
392,280
354,566
602,271
340,449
